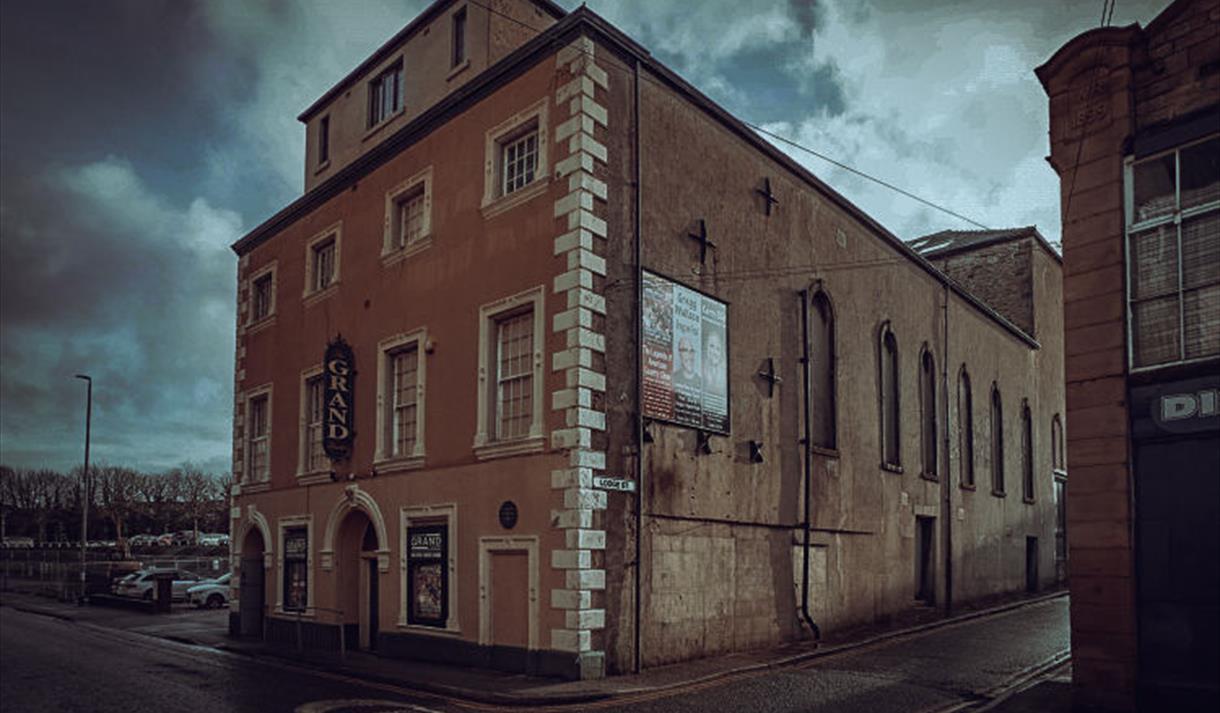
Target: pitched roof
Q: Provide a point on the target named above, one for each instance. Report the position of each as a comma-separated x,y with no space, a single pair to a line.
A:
949,242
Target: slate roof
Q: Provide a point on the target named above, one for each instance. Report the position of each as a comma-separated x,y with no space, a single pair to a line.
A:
948,242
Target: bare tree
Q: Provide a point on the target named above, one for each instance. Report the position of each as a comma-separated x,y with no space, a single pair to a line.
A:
155,493
199,491
8,497
117,489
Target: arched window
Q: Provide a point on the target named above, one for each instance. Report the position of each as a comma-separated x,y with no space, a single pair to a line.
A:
927,412
997,442
1058,462
965,428
822,371
888,352
1027,453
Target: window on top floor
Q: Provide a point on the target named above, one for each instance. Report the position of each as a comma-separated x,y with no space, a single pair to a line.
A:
458,43
1173,248
385,94
323,140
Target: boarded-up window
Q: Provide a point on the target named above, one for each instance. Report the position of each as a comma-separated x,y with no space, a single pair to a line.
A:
965,428
890,437
997,442
927,413
822,371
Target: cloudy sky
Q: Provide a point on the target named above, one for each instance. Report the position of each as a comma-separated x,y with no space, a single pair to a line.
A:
139,138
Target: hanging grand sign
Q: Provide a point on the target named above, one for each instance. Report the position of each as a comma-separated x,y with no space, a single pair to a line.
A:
685,356
338,428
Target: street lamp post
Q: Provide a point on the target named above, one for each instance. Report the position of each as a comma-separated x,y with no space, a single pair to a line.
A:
84,484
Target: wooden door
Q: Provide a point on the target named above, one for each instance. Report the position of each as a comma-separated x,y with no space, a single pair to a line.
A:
510,598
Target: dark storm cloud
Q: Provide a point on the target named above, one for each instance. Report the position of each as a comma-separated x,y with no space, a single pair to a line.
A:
807,15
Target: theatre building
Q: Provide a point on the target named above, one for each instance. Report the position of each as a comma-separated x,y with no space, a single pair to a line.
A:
1135,138
558,367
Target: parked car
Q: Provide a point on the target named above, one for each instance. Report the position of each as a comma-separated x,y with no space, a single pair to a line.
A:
141,585
141,540
184,538
212,594
165,540
23,543
213,539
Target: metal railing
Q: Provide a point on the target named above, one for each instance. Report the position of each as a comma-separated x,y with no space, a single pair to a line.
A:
56,572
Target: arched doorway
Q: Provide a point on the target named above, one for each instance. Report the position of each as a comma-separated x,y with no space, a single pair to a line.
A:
251,600
358,580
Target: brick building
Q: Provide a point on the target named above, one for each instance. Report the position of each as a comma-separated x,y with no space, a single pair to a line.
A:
523,381
1135,138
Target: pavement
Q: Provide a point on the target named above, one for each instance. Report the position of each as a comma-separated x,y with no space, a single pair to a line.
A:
1043,687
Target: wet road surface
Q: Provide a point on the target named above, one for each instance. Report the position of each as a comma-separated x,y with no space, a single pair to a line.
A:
48,664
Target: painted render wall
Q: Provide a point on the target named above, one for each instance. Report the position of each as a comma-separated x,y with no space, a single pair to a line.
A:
472,260
721,537
427,77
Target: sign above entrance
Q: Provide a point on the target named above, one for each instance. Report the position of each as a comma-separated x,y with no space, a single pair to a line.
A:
621,484
338,429
1179,407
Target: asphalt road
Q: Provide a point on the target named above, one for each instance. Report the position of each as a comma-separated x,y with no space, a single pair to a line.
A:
51,665
48,664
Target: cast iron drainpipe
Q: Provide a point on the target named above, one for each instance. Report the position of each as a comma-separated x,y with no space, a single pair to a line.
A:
808,441
639,377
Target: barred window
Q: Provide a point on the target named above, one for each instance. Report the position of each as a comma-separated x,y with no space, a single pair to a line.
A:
514,375
1173,246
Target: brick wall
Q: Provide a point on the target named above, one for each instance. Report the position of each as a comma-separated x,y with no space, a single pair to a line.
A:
998,274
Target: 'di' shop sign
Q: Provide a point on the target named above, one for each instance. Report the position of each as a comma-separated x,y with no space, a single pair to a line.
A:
339,371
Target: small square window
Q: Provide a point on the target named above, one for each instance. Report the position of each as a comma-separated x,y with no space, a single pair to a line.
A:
518,162
409,218
323,254
515,164
263,298
408,223
385,95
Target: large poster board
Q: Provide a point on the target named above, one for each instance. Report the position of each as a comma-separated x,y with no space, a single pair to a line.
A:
296,568
428,575
685,356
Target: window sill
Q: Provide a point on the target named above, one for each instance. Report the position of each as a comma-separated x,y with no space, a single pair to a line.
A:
1060,472
397,465
307,613
314,477
397,255
312,298
445,632
321,167
258,326
507,449
968,486
999,493
458,69
496,206
932,477
251,488
1028,501
373,130
822,451
892,468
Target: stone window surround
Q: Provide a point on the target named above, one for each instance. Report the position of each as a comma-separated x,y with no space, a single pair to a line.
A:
253,324
512,128
382,461
429,515
305,476
310,295
282,524
248,397
485,446
390,251
1174,218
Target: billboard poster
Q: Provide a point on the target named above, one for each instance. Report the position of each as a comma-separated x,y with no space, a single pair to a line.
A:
296,568
427,579
685,356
